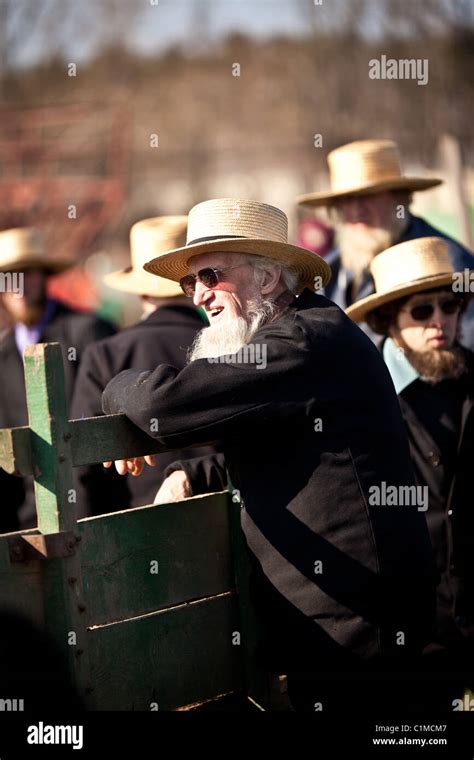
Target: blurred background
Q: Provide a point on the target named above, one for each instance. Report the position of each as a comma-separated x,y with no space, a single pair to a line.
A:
115,110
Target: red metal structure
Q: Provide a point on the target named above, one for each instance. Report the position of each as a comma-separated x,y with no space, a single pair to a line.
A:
63,170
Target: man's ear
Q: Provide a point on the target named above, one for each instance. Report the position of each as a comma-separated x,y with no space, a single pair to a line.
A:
269,279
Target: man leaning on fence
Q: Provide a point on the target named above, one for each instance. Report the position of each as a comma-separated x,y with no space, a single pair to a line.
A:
304,407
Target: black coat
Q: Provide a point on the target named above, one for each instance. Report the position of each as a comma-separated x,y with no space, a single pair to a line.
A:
306,490
72,330
161,338
440,424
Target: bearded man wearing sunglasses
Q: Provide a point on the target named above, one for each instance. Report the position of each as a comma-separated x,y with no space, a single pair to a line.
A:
343,589
415,309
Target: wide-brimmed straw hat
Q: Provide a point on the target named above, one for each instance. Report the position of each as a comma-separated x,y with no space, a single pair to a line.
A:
232,225
362,168
149,238
25,248
406,268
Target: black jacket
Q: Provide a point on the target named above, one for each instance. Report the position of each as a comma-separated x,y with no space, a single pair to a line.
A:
71,329
440,424
306,489
161,338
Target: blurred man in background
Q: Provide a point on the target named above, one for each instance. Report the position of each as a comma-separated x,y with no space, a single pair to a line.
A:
415,309
163,335
369,201
31,317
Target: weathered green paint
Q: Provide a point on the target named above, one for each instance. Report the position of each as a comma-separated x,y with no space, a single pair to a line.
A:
145,559
104,439
48,421
63,600
21,584
51,455
172,658
167,637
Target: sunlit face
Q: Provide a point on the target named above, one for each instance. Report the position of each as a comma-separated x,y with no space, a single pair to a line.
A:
230,297
367,225
28,306
438,332
368,211
236,306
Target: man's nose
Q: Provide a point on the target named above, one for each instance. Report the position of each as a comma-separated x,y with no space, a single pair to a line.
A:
438,318
200,294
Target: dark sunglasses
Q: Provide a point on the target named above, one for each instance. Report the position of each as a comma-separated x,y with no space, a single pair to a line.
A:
209,276
423,311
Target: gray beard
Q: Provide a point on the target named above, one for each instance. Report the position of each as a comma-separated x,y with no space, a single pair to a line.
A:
358,249
230,335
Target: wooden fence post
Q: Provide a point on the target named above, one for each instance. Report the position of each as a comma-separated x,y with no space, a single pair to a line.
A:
64,606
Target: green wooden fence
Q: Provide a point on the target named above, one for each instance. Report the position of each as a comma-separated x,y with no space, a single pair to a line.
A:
149,605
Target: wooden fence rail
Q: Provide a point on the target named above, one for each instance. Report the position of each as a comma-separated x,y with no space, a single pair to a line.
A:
149,605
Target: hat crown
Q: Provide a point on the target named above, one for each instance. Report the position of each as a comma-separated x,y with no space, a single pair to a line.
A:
234,218
363,162
408,262
151,237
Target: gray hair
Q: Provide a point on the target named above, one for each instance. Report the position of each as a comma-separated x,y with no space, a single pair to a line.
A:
289,276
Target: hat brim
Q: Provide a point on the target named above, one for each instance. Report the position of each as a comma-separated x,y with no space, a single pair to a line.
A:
174,264
359,310
401,183
141,284
50,266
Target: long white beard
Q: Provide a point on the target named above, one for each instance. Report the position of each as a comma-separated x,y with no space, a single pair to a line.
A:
229,335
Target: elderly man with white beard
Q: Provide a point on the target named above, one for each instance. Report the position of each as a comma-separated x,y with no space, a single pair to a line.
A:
343,589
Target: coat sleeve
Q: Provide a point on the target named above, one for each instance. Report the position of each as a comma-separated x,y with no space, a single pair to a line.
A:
211,400
205,474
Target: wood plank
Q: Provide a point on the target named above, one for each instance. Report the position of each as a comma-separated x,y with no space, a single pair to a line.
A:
51,454
189,541
21,584
50,446
15,451
172,658
114,436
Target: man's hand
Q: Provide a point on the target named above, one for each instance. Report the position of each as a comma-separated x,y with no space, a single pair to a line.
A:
175,487
133,466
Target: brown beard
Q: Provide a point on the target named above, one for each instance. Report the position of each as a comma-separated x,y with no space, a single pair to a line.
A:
438,364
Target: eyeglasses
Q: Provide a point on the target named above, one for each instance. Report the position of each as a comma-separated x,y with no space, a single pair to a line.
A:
423,311
210,277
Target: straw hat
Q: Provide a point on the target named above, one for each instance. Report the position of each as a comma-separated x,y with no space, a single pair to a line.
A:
232,225
149,238
362,168
25,248
410,267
